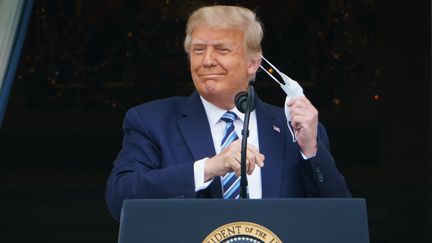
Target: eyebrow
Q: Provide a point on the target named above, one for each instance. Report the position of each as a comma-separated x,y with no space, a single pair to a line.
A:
213,43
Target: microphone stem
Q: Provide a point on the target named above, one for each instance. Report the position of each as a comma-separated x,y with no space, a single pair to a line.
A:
244,194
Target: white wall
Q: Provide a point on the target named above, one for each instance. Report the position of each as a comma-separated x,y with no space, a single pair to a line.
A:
10,14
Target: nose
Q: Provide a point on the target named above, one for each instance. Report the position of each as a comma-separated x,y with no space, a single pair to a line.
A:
209,58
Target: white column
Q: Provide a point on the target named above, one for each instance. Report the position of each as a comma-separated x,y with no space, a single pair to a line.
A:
10,15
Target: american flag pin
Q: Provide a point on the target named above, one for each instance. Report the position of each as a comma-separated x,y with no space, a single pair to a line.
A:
277,129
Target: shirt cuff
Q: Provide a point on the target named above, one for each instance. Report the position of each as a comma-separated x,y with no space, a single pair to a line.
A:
200,184
305,157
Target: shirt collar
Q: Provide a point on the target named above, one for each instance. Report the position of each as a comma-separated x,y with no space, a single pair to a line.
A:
214,113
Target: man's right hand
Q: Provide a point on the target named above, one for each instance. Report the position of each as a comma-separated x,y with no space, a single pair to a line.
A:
229,160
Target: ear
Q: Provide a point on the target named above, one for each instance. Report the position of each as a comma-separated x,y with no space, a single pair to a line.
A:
254,63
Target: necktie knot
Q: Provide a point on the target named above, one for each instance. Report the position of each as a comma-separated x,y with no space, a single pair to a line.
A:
229,117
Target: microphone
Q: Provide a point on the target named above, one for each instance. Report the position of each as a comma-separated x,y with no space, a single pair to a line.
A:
245,103
241,102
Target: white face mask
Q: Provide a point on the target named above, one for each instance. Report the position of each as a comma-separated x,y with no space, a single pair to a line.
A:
291,88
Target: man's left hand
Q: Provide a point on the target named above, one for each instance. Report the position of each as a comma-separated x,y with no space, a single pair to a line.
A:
304,120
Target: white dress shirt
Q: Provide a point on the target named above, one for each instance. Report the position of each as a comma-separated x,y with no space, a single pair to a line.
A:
217,127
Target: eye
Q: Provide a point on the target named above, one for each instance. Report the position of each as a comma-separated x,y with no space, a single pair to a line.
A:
224,50
198,50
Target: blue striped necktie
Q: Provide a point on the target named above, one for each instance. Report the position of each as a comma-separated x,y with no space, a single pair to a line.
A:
230,182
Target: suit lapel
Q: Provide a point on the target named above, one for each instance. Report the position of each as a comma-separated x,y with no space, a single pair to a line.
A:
271,143
195,130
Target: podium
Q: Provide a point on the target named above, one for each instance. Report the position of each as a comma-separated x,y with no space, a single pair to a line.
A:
255,220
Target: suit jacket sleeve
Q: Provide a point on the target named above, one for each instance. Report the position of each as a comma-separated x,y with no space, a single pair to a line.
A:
140,171
320,176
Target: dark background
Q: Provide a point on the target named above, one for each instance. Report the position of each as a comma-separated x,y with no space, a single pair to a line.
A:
364,64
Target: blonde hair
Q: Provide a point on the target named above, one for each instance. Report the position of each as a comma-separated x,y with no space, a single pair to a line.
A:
228,17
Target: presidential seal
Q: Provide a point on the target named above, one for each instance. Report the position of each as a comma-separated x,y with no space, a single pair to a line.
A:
240,232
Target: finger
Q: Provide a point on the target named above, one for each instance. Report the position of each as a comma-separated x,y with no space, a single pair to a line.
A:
296,123
252,150
233,148
236,163
296,100
301,100
259,159
250,167
255,157
237,169
252,147
303,117
292,101
300,104
237,159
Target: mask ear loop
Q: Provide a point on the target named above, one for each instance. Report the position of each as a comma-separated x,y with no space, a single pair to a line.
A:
285,89
293,134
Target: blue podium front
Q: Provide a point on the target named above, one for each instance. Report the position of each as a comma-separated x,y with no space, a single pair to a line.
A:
263,220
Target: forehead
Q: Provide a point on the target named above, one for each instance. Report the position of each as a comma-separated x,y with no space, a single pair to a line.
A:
204,35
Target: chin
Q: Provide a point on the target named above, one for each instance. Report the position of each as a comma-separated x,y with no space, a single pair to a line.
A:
210,86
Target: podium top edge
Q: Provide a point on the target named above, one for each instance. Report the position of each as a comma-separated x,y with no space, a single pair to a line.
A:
207,200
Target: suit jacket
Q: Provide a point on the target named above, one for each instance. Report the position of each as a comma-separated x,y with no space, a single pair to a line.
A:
163,138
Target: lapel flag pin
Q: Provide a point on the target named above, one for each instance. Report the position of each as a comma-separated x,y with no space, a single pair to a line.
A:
277,129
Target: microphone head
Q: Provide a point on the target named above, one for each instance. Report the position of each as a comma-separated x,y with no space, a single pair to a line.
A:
241,101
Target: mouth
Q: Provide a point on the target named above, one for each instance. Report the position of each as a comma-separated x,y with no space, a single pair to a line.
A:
211,75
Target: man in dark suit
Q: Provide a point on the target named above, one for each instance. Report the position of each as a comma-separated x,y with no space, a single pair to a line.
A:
184,147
